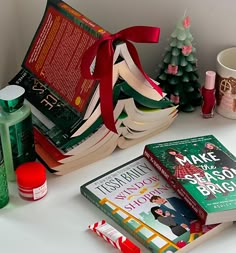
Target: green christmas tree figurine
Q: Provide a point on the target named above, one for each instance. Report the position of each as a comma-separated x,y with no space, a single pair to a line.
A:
178,75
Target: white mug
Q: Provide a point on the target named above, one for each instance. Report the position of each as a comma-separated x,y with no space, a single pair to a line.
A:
226,83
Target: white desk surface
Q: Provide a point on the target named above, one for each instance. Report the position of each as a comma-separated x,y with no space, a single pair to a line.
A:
58,223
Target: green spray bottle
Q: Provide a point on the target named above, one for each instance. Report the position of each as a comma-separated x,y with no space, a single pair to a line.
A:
4,193
16,129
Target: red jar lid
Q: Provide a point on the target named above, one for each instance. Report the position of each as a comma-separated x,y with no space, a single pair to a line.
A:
30,174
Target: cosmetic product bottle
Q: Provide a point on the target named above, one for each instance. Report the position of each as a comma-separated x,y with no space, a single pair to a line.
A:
208,94
4,194
16,129
31,180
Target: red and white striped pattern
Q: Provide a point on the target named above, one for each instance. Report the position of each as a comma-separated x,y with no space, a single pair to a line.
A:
116,244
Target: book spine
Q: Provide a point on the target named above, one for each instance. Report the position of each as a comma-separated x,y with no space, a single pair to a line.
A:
45,160
91,198
48,146
175,184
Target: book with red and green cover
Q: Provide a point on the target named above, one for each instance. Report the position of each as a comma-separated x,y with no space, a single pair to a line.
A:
66,107
51,70
138,198
202,171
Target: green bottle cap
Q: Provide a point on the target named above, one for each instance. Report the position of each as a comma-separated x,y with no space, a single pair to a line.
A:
11,98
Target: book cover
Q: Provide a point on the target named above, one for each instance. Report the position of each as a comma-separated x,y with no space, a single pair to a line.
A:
51,71
203,172
140,200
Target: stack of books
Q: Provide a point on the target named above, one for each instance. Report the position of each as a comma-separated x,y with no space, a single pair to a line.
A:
68,123
174,196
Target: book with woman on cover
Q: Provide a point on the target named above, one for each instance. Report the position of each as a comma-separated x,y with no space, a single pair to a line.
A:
203,172
138,198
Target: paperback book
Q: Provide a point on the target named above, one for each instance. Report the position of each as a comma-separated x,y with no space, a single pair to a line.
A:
70,123
51,72
137,197
202,171
103,142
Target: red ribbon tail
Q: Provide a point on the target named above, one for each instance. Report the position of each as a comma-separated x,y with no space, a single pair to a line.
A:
106,101
103,70
103,51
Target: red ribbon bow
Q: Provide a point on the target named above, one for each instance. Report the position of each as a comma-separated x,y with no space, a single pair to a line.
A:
103,50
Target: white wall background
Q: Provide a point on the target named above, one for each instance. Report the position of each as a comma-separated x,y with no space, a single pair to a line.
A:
212,26
8,27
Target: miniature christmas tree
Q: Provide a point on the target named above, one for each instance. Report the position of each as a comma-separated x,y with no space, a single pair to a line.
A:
178,75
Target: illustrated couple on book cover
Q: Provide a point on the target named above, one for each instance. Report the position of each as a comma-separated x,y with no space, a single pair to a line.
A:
138,198
173,213
203,171
138,192
182,170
